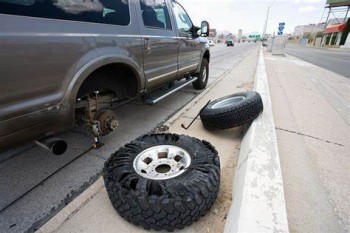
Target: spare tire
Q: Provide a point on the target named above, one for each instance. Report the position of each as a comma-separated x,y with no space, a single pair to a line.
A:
231,111
163,181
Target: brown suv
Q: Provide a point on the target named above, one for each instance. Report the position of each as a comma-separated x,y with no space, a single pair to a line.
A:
65,61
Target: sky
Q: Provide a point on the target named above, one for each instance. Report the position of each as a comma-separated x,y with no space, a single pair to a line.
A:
250,15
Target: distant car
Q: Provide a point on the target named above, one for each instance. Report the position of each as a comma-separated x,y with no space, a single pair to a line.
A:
264,43
230,43
211,42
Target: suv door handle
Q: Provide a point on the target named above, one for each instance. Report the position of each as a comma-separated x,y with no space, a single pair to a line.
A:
147,46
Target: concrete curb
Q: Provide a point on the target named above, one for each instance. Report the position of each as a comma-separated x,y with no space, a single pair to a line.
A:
258,197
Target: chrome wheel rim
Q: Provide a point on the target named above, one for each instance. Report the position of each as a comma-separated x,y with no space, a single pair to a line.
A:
162,162
227,102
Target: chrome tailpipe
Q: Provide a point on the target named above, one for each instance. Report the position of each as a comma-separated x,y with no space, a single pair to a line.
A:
55,145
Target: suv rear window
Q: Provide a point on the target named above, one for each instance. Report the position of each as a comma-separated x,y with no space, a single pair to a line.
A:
95,11
155,14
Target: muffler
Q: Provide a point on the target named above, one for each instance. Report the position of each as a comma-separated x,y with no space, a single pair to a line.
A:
55,145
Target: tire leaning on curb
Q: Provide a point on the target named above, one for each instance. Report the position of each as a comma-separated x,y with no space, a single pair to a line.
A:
165,203
231,111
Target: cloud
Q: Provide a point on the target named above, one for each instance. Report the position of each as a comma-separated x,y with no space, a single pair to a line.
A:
306,9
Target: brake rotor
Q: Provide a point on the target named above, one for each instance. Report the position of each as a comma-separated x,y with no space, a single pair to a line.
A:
107,121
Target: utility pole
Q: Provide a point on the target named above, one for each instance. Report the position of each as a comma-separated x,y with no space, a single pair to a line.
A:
267,18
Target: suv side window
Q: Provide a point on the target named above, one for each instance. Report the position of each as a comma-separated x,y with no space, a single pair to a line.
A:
155,14
96,11
183,21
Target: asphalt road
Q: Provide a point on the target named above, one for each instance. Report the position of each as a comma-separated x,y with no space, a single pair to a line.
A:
34,185
334,60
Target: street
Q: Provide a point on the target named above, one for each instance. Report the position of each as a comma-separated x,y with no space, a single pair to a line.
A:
334,60
35,184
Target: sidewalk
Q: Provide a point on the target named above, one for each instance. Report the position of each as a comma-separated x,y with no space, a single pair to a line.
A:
92,210
330,48
311,107
321,47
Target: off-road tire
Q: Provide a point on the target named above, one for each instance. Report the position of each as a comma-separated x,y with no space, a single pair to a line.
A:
202,76
235,113
163,204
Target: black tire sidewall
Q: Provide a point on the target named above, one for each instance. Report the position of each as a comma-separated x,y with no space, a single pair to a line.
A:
192,145
247,97
181,194
234,114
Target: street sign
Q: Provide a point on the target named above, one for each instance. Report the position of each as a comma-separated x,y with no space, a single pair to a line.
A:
254,37
280,28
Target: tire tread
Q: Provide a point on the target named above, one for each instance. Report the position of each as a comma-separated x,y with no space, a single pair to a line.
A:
182,204
237,115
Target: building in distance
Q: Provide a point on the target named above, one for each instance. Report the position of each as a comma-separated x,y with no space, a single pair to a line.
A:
301,30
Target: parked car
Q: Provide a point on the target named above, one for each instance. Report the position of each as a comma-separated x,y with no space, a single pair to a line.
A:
230,43
211,43
65,62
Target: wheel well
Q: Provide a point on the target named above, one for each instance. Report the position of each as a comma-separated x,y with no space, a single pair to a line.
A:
118,78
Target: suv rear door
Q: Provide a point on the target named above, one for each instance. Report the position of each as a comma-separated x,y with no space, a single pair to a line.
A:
159,41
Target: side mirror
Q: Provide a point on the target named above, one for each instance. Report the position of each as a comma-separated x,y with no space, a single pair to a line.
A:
204,29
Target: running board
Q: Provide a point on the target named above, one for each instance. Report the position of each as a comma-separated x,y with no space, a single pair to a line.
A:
156,99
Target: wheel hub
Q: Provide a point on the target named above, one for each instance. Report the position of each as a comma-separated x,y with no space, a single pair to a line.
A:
107,122
162,162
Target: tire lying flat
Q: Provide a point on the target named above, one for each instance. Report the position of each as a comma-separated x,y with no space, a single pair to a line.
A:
231,111
145,194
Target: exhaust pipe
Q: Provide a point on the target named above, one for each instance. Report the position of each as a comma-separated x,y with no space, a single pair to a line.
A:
55,145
